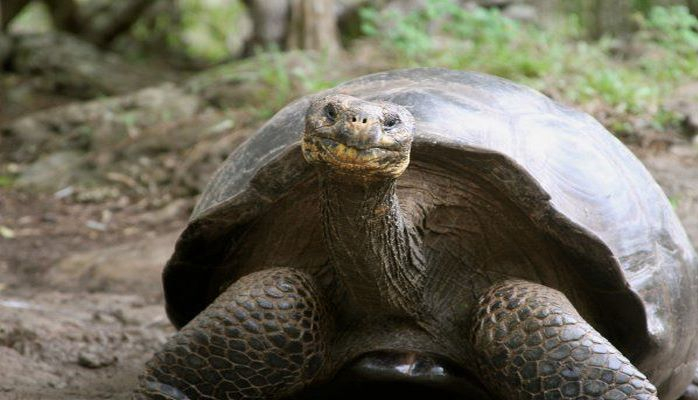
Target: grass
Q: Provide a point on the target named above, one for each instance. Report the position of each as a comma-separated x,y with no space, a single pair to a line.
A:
7,181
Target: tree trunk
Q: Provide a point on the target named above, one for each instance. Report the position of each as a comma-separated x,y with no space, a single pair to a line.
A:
611,18
313,25
65,15
601,17
269,24
692,6
118,18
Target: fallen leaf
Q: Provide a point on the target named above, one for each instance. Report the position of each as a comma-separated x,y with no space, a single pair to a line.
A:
6,232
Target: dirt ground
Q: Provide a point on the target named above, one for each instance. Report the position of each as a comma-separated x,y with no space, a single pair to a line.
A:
80,303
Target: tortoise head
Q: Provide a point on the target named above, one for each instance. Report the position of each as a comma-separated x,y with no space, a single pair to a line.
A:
350,136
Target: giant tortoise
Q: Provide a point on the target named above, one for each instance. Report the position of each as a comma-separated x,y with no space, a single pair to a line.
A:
439,230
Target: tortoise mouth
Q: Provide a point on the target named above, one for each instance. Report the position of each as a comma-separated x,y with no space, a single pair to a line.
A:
361,158
357,154
401,374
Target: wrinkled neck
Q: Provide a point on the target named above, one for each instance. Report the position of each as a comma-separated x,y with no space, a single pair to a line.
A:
373,248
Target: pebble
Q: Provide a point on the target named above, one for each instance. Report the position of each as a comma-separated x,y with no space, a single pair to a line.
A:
89,359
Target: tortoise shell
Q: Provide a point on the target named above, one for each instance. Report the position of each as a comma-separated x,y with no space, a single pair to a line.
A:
553,197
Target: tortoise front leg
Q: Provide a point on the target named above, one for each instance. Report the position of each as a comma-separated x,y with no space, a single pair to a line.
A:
263,338
532,344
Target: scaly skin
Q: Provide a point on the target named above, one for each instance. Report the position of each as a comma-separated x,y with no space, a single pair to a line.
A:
532,344
263,338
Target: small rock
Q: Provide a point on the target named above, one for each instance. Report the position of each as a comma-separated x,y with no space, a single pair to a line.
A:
175,209
25,220
689,121
111,316
63,193
97,226
52,172
134,266
685,103
52,56
521,12
101,124
225,125
92,359
49,217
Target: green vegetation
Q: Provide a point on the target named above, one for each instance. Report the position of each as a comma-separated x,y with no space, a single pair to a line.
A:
622,88
556,59
624,82
34,18
286,76
267,82
7,180
673,35
199,29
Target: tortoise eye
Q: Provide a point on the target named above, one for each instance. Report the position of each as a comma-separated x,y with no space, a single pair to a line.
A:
391,120
330,112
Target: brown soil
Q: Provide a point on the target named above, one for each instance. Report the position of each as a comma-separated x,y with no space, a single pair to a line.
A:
67,338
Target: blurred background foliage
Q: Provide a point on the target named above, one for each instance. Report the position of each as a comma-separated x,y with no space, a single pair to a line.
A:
628,55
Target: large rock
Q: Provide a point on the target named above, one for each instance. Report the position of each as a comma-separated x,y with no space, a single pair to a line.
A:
132,267
157,143
52,172
685,104
98,125
74,67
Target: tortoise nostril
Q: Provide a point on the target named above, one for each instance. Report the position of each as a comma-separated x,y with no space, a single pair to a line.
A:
353,119
364,120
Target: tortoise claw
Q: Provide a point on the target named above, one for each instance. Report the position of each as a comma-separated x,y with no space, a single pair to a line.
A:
151,390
